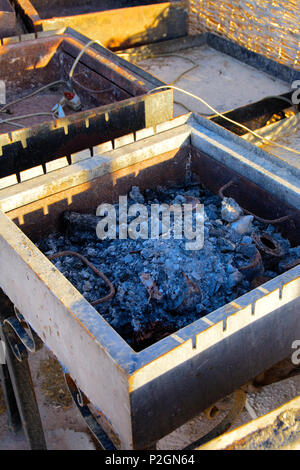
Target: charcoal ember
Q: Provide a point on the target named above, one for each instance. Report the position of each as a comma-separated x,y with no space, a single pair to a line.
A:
243,225
87,286
74,222
259,281
254,267
91,252
212,211
136,195
234,279
226,245
247,250
212,199
233,235
151,333
160,285
191,296
231,211
180,199
216,231
151,286
291,260
175,300
247,240
128,259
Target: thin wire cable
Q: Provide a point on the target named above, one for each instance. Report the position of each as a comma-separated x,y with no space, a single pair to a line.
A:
58,82
45,87
85,261
195,66
93,41
89,90
25,116
182,76
11,123
264,139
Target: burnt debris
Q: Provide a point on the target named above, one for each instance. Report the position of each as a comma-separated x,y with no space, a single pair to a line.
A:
160,286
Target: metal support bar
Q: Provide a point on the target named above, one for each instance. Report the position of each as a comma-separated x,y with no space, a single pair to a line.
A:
82,404
14,420
18,388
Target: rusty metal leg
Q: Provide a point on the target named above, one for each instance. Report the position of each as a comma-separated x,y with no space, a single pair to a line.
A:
14,420
82,403
20,377
17,383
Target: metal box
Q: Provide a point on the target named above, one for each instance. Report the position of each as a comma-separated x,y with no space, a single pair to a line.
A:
146,395
117,24
121,102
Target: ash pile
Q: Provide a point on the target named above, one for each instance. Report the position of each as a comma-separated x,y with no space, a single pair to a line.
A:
159,286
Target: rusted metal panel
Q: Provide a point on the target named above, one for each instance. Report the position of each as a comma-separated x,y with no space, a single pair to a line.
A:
116,24
184,373
7,19
121,103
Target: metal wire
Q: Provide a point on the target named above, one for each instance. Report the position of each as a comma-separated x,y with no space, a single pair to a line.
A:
36,92
260,219
94,269
25,116
89,90
264,139
93,41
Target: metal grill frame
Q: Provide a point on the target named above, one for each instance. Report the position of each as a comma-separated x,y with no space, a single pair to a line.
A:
146,395
36,145
142,24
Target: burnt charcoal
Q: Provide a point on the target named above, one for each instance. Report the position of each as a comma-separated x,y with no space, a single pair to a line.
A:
291,260
80,222
160,285
226,245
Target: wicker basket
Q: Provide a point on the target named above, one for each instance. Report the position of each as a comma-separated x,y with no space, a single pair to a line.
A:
265,26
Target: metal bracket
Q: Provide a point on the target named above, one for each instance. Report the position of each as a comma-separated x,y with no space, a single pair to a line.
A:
82,402
24,340
14,420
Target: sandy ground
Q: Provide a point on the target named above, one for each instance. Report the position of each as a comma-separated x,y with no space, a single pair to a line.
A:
225,83
65,430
